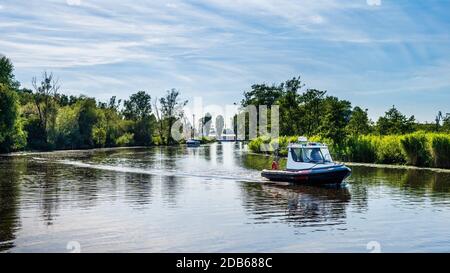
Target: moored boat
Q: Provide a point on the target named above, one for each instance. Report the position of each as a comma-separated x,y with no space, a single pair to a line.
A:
309,163
193,143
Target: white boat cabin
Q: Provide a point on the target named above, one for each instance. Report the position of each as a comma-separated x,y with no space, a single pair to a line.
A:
306,155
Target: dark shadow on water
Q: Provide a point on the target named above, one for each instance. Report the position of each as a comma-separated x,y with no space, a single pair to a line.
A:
139,189
414,184
172,188
11,170
298,205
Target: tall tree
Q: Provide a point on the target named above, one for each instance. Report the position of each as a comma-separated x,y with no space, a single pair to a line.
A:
12,136
138,106
44,98
87,119
446,123
394,122
171,109
139,109
312,110
159,120
336,115
7,73
289,103
262,94
359,123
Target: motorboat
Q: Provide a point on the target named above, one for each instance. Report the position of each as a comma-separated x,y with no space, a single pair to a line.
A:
308,163
193,142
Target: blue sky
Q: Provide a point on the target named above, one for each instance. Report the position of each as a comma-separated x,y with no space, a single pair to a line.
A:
375,53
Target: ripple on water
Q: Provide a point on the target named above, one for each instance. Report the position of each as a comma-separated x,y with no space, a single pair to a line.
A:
210,199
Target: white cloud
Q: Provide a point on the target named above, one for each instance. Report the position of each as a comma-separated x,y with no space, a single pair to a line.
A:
206,45
73,2
171,5
374,2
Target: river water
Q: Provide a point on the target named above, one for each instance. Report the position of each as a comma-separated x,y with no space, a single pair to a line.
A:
211,199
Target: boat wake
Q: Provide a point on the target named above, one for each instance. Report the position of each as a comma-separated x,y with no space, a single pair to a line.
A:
157,172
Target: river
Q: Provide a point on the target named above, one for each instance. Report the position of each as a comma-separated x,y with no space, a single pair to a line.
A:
211,199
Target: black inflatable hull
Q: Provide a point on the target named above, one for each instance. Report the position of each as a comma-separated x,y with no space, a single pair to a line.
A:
317,176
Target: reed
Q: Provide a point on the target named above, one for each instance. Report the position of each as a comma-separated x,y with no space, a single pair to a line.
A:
418,149
389,150
360,149
440,150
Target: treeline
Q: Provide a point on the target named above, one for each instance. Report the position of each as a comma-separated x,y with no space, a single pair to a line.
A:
312,112
416,149
393,139
46,119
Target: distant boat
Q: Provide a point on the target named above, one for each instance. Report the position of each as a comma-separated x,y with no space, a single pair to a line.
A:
308,163
227,135
193,143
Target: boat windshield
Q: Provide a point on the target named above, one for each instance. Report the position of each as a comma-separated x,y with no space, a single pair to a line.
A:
316,155
311,155
326,154
297,154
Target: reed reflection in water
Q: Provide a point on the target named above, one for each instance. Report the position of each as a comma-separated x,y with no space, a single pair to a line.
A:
210,198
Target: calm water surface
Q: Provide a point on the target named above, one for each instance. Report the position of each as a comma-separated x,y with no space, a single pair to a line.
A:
211,198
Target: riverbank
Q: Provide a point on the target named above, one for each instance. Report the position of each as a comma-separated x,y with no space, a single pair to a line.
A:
37,152
428,150
217,187
370,165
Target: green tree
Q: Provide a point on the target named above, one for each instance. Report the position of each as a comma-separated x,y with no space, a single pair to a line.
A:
44,98
87,121
359,123
12,136
138,106
171,110
312,110
262,94
290,113
139,109
336,115
7,74
67,127
446,123
394,122
115,125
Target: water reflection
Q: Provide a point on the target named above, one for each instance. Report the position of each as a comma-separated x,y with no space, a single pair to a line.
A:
110,198
139,189
413,183
298,205
172,188
9,200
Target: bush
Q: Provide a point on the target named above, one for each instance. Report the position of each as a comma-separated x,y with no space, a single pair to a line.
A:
156,140
125,140
12,136
416,149
206,140
389,150
281,144
361,149
440,148
255,145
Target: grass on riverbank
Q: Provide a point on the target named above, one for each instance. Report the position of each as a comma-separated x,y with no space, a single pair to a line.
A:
416,149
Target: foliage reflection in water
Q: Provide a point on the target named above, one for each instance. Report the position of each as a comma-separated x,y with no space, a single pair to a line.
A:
210,198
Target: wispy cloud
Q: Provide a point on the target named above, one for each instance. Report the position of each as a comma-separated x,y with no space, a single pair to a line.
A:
352,48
